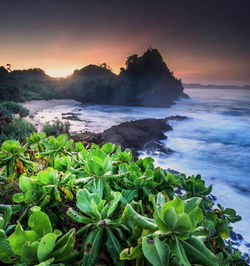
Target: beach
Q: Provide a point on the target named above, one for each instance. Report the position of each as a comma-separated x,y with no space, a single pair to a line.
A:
37,106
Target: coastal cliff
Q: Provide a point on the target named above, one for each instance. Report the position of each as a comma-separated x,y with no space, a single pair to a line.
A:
145,81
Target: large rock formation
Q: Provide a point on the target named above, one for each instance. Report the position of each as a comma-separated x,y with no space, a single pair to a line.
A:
146,81
143,134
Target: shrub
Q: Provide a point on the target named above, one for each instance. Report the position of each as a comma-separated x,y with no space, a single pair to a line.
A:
18,129
56,128
11,127
16,108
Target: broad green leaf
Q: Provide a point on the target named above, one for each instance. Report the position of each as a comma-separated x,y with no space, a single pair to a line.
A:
92,246
191,203
114,247
156,251
6,252
95,210
178,253
20,237
131,253
141,221
126,156
149,174
223,229
146,162
78,217
160,201
98,187
29,252
95,168
170,218
198,253
46,263
117,197
84,199
18,197
183,224
64,246
108,147
196,216
129,195
39,222
79,147
47,177
47,244
177,204
25,183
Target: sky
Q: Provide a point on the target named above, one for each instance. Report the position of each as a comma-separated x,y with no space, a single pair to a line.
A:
202,41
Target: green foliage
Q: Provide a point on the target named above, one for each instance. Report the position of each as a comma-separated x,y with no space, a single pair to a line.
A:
35,141
56,128
19,129
39,243
48,188
13,159
16,108
12,127
126,212
26,85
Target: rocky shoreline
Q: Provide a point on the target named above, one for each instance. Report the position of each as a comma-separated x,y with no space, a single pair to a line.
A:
143,134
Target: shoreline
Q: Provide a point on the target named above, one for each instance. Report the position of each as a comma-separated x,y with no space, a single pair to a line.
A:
36,106
137,134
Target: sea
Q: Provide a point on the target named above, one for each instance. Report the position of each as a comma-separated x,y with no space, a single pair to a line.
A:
214,141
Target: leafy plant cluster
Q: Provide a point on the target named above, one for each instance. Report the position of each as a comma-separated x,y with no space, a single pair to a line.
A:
56,128
12,126
95,205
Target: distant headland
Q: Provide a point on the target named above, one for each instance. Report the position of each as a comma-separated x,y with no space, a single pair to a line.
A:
214,86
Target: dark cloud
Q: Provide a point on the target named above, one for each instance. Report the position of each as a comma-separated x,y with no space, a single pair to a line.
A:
194,36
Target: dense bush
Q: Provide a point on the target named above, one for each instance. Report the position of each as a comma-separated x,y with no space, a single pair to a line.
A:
56,128
12,126
19,129
25,85
16,108
124,212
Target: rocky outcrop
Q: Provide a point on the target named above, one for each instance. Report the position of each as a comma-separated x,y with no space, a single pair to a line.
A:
145,81
144,134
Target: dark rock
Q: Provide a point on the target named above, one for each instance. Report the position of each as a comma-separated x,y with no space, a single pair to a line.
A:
88,138
211,197
247,245
235,237
156,148
72,118
174,172
71,113
136,135
176,118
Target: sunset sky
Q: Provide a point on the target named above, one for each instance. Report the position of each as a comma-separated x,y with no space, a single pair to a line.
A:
201,41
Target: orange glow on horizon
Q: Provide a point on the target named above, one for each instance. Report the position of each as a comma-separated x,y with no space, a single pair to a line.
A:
67,71
59,73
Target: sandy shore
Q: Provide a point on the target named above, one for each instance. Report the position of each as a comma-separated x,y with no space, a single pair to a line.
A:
36,106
